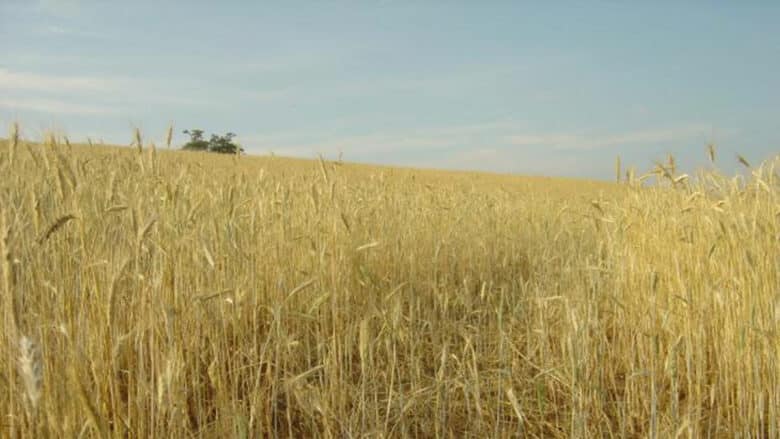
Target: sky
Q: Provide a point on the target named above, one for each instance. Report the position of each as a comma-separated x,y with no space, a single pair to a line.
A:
532,88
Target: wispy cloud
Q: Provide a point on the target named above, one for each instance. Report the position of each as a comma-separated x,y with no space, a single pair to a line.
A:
350,145
51,106
53,83
422,140
487,146
478,137
442,83
568,141
61,31
124,91
510,160
59,8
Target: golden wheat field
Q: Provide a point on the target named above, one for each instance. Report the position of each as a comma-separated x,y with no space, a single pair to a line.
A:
153,293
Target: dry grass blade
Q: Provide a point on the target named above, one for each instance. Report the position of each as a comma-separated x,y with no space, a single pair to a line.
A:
663,171
209,257
345,221
322,169
363,343
55,226
9,280
510,394
117,208
671,164
88,406
169,136
207,297
138,141
367,246
644,177
144,232
35,156
300,287
13,142
293,381
112,292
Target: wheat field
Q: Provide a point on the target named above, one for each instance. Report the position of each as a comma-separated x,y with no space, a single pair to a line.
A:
155,293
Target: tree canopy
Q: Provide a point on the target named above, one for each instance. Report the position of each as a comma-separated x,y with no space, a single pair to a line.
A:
220,144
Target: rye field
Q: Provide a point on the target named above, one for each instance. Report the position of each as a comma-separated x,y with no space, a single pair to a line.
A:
156,293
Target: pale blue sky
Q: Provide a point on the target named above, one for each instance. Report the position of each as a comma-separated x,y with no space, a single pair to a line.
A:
523,87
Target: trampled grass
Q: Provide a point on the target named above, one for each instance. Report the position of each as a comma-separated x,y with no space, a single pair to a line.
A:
148,293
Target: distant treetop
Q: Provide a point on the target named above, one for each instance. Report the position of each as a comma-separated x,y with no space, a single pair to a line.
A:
220,144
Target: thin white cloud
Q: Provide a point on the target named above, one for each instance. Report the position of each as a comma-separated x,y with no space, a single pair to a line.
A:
509,160
349,145
59,8
62,31
439,84
480,146
51,83
486,135
53,106
434,139
122,91
314,56
440,135
567,141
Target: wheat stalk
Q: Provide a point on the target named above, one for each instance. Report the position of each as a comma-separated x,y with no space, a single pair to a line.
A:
137,140
13,142
711,152
417,303
169,136
31,371
9,297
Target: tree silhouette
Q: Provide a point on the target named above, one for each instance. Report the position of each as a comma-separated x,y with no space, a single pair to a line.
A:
196,142
219,144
